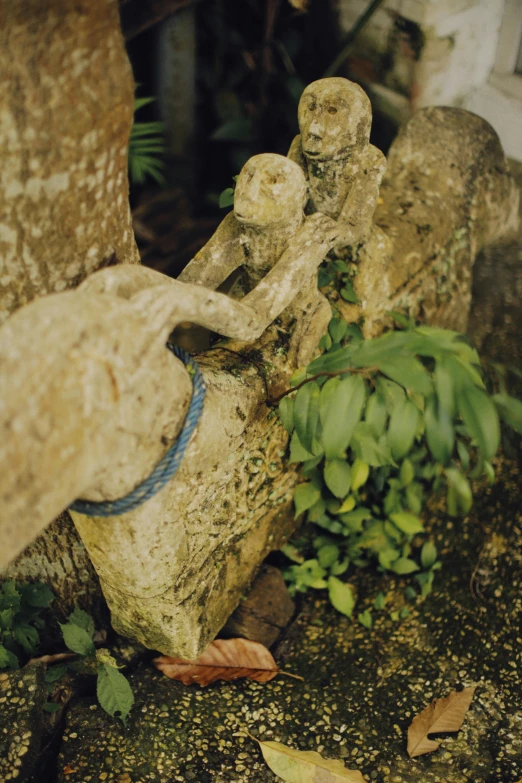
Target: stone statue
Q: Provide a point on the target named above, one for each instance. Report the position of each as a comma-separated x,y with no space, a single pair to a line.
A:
278,249
344,171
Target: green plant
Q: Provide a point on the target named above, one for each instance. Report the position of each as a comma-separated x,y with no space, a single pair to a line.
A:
113,689
146,145
379,425
20,621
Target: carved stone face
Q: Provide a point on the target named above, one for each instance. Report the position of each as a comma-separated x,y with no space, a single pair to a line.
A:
334,119
270,189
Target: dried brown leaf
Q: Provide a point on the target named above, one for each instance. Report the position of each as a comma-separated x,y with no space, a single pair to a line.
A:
224,659
441,715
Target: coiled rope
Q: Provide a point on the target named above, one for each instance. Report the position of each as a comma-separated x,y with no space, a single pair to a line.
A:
170,462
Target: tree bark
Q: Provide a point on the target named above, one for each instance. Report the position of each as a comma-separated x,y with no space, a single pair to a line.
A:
66,114
66,109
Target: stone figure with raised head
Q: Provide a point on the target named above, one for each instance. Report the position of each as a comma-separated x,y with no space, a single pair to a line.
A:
344,171
277,248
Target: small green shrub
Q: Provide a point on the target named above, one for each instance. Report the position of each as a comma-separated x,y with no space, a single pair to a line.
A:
113,689
379,425
20,622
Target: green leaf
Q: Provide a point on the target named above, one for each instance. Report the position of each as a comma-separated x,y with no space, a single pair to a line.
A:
376,414
410,593
341,596
332,362
445,387
6,659
439,431
360,473
425,582
6,619
406,473
344,412
55,672
327,555
305,496
226,198
27,637
407,523
404,566
428,554
286,414
326,394
368,450
50,706
462,497
353,520
510,410
337,477
399,318
405,612
347,292
337,328
306,414
408,372
391,392
317,511
297,451
82,619
463,455
387,557
38,595
77,639
365,618
114,692
481,419
380,601
402,428
339,568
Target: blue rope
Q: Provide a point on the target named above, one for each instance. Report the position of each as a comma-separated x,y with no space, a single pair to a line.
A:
168,465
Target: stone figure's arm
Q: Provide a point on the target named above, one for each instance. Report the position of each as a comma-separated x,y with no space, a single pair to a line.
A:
218,258
358,209
295,153
294,269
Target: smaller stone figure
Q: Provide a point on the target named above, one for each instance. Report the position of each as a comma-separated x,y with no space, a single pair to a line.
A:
277,248
344,171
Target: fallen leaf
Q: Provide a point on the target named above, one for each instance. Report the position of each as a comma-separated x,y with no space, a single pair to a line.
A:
224,659
441,715
301,5
305,766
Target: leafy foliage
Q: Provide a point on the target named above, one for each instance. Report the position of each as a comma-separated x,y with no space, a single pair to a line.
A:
146,146
113,689
378,425
20,608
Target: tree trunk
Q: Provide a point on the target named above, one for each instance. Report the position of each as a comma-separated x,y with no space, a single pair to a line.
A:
66,115
66,100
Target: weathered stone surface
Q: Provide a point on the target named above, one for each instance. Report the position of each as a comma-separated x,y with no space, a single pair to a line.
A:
22,696
167,568
447,193
264,611
362,687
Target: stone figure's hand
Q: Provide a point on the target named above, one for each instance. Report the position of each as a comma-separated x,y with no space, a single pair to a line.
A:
321,230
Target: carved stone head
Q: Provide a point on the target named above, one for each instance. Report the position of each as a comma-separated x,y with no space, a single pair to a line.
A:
270,189
335,118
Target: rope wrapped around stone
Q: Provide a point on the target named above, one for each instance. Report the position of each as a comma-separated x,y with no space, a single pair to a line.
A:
169,463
